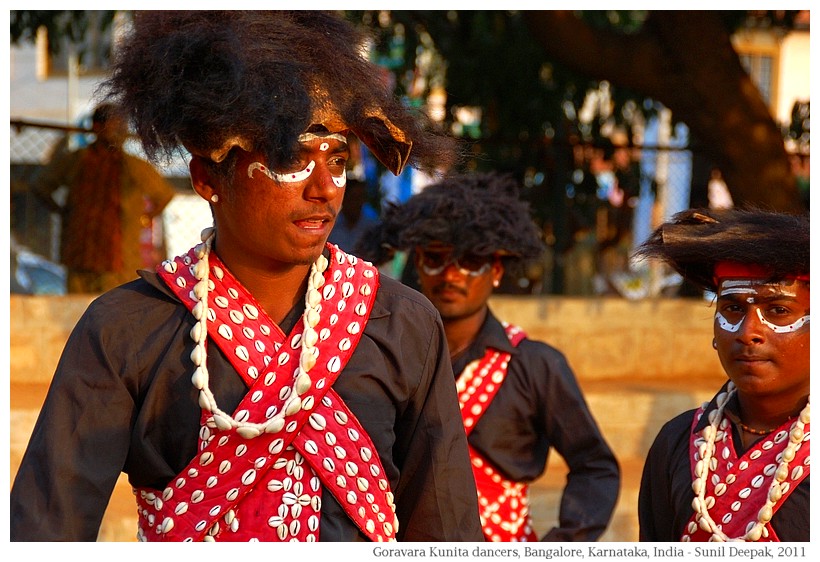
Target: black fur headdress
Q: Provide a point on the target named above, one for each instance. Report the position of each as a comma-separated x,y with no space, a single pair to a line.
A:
214,80
694,241
478,214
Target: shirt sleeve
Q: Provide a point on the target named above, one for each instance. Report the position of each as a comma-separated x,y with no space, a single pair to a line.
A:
665,494
78,445
435,496
593,482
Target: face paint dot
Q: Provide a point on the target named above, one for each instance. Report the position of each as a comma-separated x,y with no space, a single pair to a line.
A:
324,146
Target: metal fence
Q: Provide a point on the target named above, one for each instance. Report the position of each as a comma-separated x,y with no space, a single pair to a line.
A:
594,205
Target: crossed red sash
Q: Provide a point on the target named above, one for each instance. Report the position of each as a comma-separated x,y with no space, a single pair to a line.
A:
503,504
738,487
269,487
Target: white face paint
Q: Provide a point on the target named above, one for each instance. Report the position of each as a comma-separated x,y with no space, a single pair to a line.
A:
726,325
749,287
796,325
294,177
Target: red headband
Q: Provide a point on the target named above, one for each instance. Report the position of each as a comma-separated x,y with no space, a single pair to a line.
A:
726,269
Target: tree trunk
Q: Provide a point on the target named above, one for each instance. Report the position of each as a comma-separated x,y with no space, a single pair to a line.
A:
685,60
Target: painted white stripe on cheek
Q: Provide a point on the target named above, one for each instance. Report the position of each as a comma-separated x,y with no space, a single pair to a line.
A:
725,325
340,181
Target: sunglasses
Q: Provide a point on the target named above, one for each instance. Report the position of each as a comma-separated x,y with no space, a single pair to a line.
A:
434,263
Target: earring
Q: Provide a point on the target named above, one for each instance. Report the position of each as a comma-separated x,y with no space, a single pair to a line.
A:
714,343
495,282
214,198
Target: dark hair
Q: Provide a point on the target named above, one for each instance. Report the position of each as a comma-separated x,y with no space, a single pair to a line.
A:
103,112
199,78
478,214
697,239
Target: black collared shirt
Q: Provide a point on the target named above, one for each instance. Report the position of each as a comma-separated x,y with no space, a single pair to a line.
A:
665,498
540,407
122,400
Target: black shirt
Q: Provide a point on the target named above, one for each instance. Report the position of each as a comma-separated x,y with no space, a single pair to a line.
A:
540,407
122,400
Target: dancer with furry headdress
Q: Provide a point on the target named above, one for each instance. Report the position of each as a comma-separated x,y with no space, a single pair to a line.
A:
737,468
519,397
264,386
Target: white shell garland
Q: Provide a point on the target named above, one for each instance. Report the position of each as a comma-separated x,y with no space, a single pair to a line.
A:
701,504
302,382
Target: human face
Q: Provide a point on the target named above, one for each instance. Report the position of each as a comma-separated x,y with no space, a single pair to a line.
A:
762,336
457,288
284,216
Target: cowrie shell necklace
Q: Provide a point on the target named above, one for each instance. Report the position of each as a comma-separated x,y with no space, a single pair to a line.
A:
199,333
755,530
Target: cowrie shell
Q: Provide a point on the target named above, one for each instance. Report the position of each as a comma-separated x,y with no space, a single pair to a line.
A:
274,425
248,432
317,421
167,525
276,447
249,477
334,365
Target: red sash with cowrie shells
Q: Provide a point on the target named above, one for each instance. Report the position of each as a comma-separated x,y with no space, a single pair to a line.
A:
269,487
503,504
737,487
